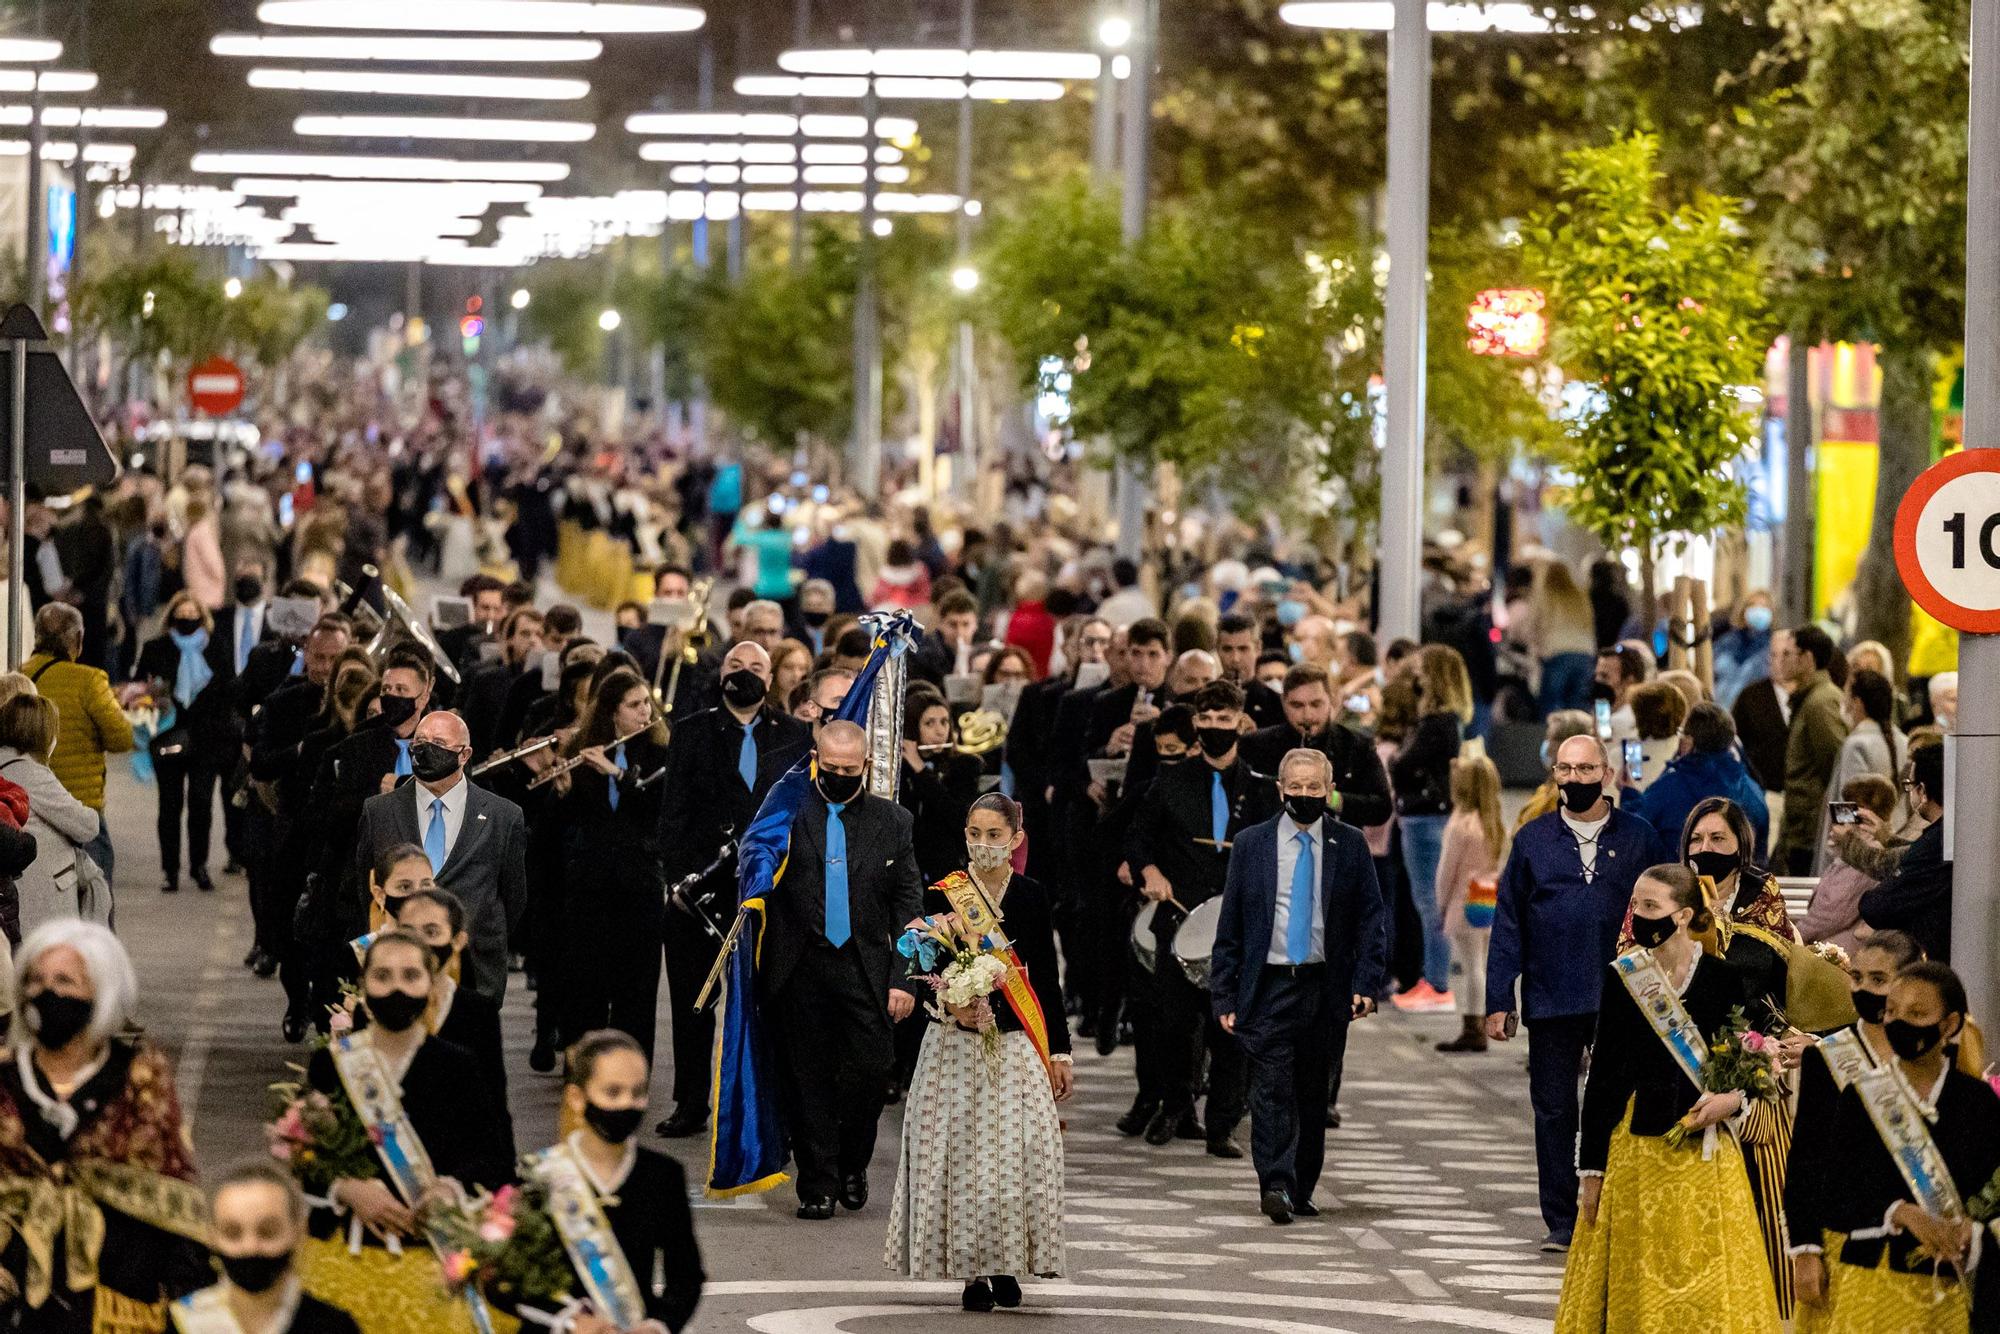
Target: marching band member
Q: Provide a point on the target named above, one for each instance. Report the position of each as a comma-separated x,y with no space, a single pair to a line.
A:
1640,1202
258,1216
979,1187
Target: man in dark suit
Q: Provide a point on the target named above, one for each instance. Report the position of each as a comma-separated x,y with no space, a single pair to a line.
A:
1360,795
1236,644
828,978
1178,849
1299,952
484,693
489,606
942,651
721,764
369,763
477,844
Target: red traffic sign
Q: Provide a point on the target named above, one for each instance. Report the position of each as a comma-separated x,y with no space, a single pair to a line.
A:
1948,541
216,386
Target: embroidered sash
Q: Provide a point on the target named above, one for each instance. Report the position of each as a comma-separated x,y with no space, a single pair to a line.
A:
204,1312
1900,1123
378,1103
586,1234
1847,1056
980,918
1654,994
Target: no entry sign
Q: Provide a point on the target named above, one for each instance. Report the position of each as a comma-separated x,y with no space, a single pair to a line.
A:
1948,541
216,386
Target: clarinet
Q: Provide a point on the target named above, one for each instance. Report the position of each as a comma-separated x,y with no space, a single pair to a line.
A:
681,894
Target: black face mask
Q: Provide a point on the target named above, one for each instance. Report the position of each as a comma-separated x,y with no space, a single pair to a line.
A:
1580,797
443,954
255,1273
184,625
839,789
1599,690
815,618
58,1018
248,590
613,1125
1215,742
743,688
1304,809
395,1011
397,710
1869,1005
1715,865
431,762
1913,1041
1652,932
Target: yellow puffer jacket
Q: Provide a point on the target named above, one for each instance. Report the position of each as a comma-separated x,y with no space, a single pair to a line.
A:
92,724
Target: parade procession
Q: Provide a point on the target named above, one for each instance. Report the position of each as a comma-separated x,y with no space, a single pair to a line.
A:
861,666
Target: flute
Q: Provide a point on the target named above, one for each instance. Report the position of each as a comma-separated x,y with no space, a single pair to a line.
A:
562,767
519,752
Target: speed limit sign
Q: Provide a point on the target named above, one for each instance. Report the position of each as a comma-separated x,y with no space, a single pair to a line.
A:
1948,541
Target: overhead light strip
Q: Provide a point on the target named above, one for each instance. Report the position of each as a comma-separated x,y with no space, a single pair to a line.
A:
409,50
388,83
549,16
499,129
357,166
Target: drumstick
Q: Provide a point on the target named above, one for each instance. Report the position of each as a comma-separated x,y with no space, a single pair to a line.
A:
1217,843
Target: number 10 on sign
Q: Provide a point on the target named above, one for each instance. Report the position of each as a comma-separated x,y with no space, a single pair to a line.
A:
1948,541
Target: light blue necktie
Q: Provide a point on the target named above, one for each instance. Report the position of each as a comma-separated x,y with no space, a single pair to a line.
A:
1218,808
617,758
434,836
746,758
1299,923
247,640
402,757
837,927
298,663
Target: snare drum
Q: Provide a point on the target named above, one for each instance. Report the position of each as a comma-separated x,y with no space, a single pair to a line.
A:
1144,948
1194,944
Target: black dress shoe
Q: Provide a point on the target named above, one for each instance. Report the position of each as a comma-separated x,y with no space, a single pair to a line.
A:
542,1056
854,1194
685,1122
265,965
1160,1130
1277,1206
1224,1148
1086,1026
978,1297
295,1027
1135,1121
201,881
1189,1127
1305,1209
232,867
172,885
250,959
815,1211
1333,1118
1006,1291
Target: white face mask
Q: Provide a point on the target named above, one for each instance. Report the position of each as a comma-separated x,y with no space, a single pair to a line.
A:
988,856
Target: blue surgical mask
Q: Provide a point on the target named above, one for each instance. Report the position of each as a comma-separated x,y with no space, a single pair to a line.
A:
1291,611
1297,650
1757,618
1548,756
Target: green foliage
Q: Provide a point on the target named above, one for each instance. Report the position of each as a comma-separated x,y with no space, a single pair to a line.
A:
565,299
164,302
777,350
1661,310
268,321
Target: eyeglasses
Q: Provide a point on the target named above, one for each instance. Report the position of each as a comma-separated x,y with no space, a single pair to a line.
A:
1585,771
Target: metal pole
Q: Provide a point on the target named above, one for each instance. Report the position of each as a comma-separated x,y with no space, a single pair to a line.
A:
705,100
1795,602
867,462
801,37
17,500
38,209
1397,613
1973,791
1133,482
968,451
1104,123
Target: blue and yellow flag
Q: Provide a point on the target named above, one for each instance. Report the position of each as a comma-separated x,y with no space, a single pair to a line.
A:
747,1146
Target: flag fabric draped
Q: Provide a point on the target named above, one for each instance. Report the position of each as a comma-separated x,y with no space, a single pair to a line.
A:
748,1147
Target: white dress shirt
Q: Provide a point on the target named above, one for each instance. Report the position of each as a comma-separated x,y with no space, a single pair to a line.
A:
1288,861
454,811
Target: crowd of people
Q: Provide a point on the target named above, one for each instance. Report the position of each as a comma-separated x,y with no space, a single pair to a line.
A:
1220,822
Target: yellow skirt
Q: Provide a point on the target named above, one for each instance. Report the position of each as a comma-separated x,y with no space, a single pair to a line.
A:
1674,1236
387,1294
1873,1301
1816,1317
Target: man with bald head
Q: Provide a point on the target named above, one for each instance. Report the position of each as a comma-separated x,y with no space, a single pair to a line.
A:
721,763
828,981
476,841
1563,895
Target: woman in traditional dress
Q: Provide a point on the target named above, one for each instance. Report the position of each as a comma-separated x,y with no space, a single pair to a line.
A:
1719,843
1633,1266
90,1134
259,1219
979,1188
436,1087
457,1014
1912,1141
1826,1068
640,1195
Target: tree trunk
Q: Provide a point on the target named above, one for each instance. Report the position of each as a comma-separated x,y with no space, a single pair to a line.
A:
1881,603
1649,596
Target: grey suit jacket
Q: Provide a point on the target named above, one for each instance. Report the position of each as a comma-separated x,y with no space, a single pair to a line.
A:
487,868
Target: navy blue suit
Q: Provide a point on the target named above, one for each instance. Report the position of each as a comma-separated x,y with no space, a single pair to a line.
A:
1291,1019
1555,931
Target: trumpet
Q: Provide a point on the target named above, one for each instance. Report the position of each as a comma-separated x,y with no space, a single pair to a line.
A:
518,753
695,639
562,767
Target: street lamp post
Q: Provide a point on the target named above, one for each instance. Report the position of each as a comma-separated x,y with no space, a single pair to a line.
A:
1133,482
1398,614
867,457
968,451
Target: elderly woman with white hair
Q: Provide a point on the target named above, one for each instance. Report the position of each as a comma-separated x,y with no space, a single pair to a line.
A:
101,1224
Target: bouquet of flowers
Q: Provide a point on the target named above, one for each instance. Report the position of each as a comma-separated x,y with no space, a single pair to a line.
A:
505,1243
1740,1060
318,1136
971,973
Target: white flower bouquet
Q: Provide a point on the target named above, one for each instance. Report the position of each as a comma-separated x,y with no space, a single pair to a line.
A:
971,973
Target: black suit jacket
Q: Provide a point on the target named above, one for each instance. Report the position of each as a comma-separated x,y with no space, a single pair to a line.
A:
487,869
1177,810
1028,735
1356,939
1265,706
884,890
227,628
268,671
211,722
705,802
1761,725
1358,775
